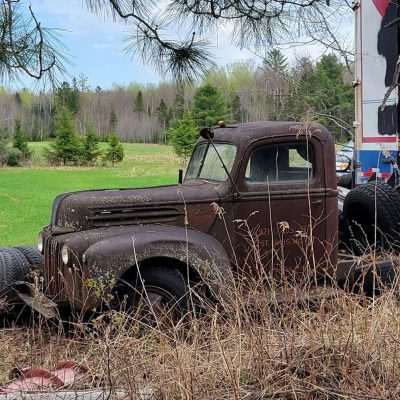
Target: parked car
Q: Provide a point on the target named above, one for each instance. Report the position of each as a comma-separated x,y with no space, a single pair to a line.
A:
344,164
344,158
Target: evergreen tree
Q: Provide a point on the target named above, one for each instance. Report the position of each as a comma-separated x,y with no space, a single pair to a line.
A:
183,135
67,96
4,147
163,114
275,61
179,102
66,146
236,108
21,141
323,90
115,150
139,103
209,106
113,120
90,147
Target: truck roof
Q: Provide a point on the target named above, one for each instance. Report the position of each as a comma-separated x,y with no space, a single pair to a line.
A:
251,131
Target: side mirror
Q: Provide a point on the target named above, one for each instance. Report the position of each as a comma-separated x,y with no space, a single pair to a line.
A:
207,133
180,176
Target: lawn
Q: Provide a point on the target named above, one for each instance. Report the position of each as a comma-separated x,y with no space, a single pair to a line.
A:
27,193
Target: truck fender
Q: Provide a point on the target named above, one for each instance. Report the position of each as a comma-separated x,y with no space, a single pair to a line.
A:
119,253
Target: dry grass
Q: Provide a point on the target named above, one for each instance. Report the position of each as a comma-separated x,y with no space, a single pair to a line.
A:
267,336
248,346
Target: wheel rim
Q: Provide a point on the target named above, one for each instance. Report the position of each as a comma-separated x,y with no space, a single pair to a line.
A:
157,305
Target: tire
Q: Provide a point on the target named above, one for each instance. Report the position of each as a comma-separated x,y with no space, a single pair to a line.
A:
379,279
163,281
359,210
33,255
346,181
7,272
13,267
22,265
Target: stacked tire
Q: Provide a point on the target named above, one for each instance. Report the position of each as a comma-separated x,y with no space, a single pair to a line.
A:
15,264
372,218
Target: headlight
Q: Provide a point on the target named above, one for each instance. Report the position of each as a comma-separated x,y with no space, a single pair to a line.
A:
40,243
65,255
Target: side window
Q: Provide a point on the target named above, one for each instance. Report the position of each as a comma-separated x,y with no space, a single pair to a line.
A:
280,163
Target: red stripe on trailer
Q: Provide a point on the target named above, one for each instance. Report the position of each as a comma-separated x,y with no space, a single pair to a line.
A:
380,139
379,174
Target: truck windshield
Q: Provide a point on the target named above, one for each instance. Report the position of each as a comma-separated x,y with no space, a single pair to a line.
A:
205,163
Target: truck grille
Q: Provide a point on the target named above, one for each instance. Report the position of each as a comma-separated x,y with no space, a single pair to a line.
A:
53,270
117,216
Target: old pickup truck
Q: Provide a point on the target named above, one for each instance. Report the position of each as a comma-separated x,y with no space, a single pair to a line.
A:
247,188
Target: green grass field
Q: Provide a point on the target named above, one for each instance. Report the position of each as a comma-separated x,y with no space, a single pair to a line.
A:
27,193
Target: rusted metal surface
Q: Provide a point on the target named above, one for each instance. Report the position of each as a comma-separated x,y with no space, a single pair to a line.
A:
66,374
109,231
29,294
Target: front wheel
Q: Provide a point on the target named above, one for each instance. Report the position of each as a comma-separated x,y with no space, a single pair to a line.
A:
157,295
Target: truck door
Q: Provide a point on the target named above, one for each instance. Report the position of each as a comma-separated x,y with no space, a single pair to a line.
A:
281,207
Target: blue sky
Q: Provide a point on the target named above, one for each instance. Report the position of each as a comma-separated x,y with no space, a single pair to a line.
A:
96,45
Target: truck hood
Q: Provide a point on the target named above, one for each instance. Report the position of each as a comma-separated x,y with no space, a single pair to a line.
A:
163,204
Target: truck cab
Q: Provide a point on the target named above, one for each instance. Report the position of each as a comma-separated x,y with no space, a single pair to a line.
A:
256,195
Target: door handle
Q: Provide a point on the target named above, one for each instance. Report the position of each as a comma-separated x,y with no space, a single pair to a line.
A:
316,202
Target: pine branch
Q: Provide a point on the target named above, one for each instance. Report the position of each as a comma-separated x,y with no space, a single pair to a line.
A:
26,46
255,22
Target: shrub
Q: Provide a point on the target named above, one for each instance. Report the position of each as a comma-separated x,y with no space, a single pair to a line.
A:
14,157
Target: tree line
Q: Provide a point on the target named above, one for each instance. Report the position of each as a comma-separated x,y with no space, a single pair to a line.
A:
269,90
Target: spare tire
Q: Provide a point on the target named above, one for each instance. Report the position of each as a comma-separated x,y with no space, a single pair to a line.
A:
32,254
372,215
13,267
7,272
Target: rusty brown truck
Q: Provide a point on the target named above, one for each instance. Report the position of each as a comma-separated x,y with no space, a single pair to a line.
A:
274,181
